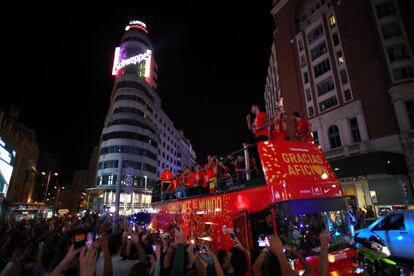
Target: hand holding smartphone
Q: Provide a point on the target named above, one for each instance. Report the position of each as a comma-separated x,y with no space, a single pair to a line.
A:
263,241
79,240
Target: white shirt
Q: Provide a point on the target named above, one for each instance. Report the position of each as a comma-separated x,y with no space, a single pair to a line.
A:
120,267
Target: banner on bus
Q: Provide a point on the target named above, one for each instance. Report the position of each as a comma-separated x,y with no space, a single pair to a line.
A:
293,162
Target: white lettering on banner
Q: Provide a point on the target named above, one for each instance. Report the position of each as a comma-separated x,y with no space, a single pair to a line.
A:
132,60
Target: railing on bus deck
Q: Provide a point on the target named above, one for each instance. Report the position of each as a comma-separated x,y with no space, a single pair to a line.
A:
224,182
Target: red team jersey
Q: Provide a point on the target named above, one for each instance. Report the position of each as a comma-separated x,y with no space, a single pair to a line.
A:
260,121
166,175
278,133
302,127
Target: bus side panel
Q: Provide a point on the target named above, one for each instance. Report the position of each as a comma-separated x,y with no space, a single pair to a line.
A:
209,218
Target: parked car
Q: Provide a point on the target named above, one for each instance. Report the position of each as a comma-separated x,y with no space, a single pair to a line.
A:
392,235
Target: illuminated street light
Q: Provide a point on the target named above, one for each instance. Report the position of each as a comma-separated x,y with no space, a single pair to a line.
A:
57,196
48,181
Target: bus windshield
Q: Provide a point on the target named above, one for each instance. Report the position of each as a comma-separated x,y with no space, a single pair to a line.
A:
300,222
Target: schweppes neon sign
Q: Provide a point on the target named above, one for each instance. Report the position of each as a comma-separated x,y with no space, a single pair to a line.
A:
119,64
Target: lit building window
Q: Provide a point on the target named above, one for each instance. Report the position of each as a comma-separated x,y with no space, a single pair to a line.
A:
332,21
340,57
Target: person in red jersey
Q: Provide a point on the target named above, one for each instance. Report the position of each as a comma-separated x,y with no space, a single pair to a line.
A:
178,183
260,124
211,173
279,126
303,128
260,129
166,178
198,179
188,181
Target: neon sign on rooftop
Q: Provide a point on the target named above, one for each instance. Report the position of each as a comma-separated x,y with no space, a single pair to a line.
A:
119,64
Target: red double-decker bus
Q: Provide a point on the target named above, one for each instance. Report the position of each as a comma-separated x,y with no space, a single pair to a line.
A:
298,197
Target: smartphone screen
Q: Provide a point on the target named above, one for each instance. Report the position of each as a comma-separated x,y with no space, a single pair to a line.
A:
154,247
80,240
263,241
89,240
129,236
232,236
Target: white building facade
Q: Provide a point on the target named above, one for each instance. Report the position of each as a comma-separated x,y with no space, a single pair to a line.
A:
137,133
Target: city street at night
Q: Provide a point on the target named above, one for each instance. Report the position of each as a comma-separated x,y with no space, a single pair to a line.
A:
231,138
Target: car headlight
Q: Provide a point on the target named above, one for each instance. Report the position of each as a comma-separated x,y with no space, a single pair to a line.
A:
385,251
359,270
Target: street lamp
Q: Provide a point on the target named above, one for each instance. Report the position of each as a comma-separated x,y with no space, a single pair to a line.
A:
57,196
48,181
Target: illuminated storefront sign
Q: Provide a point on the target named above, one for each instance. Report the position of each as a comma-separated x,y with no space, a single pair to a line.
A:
136,24
119,64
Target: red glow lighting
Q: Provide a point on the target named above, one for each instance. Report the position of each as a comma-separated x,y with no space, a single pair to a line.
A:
139,27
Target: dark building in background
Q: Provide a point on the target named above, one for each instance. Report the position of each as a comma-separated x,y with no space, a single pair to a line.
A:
46,162
73,196
349,67
19,151
93,166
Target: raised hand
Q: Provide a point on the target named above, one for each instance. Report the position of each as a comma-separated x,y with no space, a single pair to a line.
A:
87,262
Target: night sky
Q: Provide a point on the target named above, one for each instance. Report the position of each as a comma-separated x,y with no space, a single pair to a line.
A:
212,62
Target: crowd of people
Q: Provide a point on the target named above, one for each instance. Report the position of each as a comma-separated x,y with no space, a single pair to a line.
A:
92,246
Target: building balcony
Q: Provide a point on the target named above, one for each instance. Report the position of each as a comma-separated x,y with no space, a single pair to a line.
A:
345,150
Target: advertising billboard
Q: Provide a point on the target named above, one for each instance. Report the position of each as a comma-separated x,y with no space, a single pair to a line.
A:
7,161
123,59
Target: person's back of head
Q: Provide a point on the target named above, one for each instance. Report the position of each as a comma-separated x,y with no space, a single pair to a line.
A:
114,243
238,261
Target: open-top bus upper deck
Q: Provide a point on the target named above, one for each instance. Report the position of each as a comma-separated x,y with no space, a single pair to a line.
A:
294,172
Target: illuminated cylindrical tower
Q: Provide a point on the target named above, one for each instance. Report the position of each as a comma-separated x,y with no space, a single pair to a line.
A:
130,134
